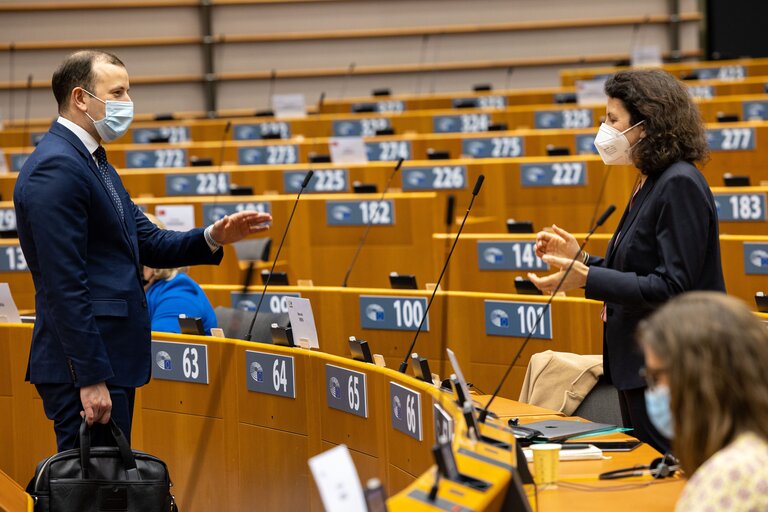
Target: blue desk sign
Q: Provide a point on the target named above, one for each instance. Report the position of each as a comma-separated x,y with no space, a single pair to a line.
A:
346,390
558,174
443,423
755,258
754,110
270,374
381,106
461,123
174,134
156,158
360,213
517,319
256,131
18,160
571,118
275,154
182,362
585,144
493,147
492,101
7,219
272,303
323,181
12,260
703,92
508,255
405,407
360,127
388,150
740,207
197,184
439,177
731,139
722,73
213,212
393,313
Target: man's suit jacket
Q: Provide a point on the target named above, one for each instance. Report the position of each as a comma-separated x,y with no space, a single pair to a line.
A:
667,243
92,323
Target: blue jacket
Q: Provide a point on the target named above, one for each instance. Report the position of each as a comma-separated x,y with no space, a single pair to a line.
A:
168,298
92,320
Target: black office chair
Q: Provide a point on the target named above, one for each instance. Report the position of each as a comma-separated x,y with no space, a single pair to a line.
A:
601,405
235,323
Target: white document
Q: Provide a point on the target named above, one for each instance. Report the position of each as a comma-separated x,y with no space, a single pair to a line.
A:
9,313
591,92
347,150
176,217
3,163
592,452
646,56
302,321
337,480
287,106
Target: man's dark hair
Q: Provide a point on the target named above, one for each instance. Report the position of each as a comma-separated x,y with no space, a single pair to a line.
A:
77,71
673,127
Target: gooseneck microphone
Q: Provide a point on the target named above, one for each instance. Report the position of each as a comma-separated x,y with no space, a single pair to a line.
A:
277,254
28,95
607,213
475,191
227,127
375,215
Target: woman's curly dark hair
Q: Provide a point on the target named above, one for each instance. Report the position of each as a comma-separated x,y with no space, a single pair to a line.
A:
673,127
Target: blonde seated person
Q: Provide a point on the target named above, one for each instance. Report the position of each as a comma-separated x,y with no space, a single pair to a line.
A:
171,292
706,363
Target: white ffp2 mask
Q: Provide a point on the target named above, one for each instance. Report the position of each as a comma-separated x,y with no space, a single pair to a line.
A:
613,146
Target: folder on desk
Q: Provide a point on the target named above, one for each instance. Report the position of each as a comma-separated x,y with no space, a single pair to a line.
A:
560,430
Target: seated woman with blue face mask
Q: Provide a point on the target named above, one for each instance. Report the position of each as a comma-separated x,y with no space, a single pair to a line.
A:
171,292
706,364
667,240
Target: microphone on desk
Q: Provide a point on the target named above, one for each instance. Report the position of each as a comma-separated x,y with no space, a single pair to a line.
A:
320,101
375,215
607,213
11,75
227,128
347,78
25,135
304,184
475,191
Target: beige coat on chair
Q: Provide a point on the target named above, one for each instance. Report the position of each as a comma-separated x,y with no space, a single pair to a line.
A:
560,380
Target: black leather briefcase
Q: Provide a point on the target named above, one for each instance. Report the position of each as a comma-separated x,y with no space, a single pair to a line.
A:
102,479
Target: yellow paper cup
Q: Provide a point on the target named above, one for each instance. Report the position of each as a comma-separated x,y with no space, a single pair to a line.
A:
546,460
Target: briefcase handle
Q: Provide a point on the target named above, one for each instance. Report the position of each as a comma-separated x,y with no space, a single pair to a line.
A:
129,461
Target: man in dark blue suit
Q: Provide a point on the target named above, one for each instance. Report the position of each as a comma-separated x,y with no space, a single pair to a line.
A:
85,243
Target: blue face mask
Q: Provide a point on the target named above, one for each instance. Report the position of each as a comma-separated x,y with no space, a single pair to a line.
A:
117,118
657,403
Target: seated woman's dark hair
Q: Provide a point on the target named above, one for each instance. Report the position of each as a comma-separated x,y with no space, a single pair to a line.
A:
673,127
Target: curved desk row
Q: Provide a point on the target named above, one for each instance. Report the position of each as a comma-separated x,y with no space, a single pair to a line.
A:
736,147
236,423
447,121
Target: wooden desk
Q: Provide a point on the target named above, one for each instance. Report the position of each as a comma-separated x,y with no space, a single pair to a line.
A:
228,447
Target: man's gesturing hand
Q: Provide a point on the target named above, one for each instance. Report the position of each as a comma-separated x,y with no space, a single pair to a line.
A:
97,404
235,227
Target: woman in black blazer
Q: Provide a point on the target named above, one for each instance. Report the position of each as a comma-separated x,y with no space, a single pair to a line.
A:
667,241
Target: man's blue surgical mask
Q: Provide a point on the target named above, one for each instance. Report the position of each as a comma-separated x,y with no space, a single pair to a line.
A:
659,411
117,119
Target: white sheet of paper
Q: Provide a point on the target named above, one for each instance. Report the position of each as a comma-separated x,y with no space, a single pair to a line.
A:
591,92
646,56
337,480
3,163
9,313
302,321
289,105
347,150
177,217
